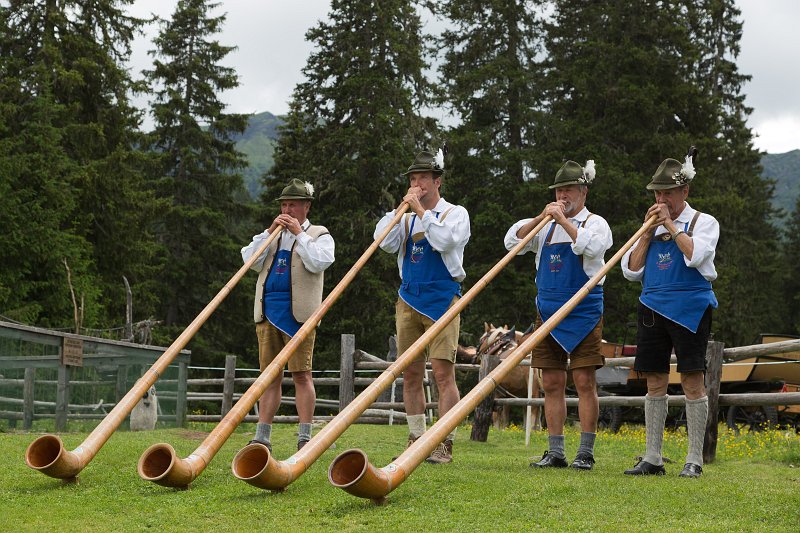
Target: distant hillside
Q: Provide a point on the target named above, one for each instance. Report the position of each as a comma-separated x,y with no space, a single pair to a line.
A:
259,139
785,170
258,144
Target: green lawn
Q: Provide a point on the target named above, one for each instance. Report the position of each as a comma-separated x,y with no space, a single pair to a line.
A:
753,486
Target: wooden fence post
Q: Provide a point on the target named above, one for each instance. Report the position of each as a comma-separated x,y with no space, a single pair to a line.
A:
122,382
391,357
347,392
27,398
713,378
483,413
227,384
62,398
180,401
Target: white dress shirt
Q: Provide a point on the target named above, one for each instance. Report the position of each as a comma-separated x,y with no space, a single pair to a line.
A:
593,239
317,255
448,237
704,236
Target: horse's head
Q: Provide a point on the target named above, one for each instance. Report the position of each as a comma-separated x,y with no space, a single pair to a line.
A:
496,339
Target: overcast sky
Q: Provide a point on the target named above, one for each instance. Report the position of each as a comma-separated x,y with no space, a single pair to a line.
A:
272,50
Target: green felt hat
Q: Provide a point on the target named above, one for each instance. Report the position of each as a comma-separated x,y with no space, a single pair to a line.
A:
671,174
571,173
297,190
426,162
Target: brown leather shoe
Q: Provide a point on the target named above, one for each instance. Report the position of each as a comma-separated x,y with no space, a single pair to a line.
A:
301,443
443,453
411,440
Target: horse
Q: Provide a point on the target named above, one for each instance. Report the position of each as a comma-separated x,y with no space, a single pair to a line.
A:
500,342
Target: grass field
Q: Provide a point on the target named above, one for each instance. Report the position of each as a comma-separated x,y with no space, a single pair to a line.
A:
753,486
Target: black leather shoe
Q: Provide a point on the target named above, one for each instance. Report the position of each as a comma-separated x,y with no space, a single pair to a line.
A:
691,470
301,443
643,468
549,460
267,444
583,461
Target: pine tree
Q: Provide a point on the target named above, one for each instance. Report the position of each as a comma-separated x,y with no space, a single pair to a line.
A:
658,78
614,92
203,227
62,62
791,275
489,79
354,126
733,189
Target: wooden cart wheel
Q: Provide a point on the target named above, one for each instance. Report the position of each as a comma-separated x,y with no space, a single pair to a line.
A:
754,418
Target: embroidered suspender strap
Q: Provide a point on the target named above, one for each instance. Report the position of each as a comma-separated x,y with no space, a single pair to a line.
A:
408,225
694,221
553,228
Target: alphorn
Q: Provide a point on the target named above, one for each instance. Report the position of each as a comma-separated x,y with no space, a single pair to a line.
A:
47,453
254,464
160,464
352,471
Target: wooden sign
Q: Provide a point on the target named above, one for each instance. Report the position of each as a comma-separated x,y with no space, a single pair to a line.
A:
72,352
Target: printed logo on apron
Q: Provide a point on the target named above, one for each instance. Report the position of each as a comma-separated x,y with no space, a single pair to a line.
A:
559,276
672,289
427,285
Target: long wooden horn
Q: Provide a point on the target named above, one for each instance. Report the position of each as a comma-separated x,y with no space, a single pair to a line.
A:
47,453
352,470
253,463
160,464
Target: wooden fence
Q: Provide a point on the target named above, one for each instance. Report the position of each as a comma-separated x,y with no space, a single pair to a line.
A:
26,351
119,357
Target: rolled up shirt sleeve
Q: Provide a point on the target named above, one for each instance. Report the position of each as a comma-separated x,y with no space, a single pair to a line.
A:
511,239
450,234
392,242
317,255
704,237
250,249
627,273
594,238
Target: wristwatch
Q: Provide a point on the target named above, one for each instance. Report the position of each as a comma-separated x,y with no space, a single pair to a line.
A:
675,235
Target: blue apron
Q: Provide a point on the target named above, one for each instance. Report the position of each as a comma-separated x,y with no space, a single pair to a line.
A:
672,289
560,275
427,285
278,294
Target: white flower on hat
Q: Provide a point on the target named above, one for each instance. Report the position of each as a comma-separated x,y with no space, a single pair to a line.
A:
309,188
588,172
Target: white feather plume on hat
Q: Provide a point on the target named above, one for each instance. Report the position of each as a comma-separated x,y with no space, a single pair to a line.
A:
438,159
309,188
687,170
588,172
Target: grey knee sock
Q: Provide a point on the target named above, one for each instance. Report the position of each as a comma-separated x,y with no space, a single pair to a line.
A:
263,432
696,418
556,445
416,425
587,443
655,415
304,431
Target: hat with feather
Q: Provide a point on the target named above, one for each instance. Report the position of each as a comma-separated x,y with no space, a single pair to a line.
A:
427,161
671,173
297,190
571,173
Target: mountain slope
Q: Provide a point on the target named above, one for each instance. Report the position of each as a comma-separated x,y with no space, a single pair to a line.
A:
785,170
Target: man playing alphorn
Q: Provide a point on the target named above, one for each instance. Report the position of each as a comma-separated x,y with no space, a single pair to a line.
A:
429,242
675,264
569,251
288,291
